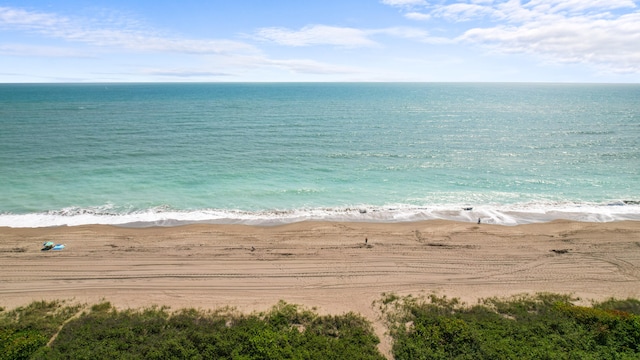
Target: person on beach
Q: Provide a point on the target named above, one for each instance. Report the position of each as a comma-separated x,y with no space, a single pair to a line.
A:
478,220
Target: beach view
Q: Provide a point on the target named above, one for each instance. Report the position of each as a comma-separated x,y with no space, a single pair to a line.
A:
329,187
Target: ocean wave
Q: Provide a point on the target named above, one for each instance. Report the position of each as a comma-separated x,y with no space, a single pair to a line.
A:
509,215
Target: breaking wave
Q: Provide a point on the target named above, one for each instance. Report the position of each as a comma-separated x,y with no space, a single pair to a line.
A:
514,214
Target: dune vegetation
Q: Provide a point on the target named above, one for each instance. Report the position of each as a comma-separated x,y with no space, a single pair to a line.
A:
542,326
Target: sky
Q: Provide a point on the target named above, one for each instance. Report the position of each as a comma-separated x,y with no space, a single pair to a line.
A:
584,41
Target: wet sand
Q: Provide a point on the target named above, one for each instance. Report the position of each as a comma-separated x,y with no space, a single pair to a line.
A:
325,265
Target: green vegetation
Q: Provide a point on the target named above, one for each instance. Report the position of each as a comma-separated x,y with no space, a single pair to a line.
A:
25,330
102,332
631,306
542,326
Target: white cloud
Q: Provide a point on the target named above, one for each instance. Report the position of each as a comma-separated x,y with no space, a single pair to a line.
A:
10,17
553,6
41,51
412,33
183,73
605,43
601,33
117,33
404,2
417,16
402,32
340,36
463,12
565,32
302,66
317,35
311,66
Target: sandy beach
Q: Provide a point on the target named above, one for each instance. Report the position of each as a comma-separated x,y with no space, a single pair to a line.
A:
317,264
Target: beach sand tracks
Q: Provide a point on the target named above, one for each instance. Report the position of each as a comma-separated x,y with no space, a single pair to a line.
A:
317,262
453,241
627,268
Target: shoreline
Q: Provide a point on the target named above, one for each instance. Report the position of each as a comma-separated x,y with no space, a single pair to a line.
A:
299,256
322,265
504,214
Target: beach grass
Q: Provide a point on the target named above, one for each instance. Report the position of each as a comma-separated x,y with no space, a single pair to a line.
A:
540,326
102,332
27,330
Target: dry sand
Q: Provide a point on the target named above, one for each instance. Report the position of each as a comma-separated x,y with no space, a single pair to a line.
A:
325,265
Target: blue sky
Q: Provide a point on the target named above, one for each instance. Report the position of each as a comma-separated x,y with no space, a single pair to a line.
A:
320,40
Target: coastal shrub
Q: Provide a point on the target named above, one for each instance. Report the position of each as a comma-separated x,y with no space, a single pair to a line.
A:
543,326
26,330
20,344
631,306
285,332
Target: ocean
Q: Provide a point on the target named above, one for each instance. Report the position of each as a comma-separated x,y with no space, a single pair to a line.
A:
273,153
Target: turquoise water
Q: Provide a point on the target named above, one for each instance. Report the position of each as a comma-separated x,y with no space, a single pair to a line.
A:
166,154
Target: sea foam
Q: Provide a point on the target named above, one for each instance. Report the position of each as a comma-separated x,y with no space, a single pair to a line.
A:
508,215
